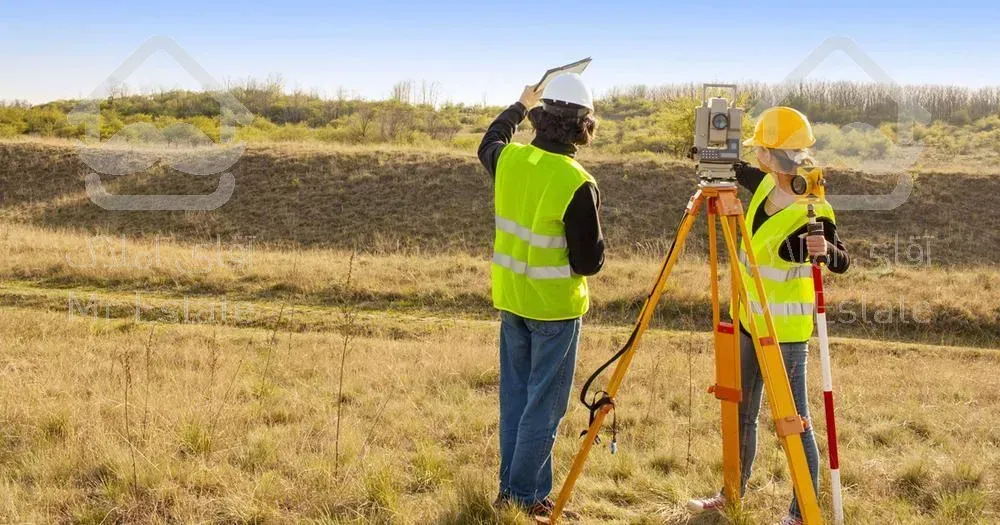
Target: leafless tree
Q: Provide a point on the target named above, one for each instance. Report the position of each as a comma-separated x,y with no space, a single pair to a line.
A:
429,93
402,92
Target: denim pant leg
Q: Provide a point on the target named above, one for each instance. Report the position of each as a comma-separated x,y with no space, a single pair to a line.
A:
796,358
752,384
515,368
553,361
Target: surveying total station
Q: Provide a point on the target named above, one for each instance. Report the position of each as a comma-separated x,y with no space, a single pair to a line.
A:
718,133
716,150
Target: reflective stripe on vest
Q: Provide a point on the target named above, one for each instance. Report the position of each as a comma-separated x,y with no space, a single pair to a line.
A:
528,236
533,272
783,309
776,274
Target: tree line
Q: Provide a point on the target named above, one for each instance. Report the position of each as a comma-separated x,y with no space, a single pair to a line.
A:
635,118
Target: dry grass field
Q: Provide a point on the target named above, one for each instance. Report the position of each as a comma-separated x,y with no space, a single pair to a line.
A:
311,353
212,395
123,422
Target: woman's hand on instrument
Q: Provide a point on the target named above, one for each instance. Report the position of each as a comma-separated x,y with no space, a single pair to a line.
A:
816,245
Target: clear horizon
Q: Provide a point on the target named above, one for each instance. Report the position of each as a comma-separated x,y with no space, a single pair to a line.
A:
480,53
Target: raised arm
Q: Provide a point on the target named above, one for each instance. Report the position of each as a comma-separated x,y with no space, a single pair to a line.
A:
748,176
503,128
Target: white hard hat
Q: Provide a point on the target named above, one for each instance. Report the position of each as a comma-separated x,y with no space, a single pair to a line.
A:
568,88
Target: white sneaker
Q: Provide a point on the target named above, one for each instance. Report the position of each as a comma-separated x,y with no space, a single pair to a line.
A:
714,503
790,521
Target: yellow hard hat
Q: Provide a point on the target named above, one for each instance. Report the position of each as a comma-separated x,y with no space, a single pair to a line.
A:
782,128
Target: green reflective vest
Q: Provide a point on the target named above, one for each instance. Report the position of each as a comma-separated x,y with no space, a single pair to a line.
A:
531,272
788,285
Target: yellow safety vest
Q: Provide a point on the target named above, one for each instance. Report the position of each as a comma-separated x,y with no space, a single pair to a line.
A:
788,285
531,272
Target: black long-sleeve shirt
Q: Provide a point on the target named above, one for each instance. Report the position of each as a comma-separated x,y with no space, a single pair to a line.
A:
793,249
583,225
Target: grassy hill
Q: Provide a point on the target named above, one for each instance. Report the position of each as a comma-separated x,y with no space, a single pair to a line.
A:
391,199
161,377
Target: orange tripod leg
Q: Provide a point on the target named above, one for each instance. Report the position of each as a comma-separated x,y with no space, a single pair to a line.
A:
645,316
727,368
788,423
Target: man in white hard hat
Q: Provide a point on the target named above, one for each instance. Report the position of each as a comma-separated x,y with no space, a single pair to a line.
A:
547,239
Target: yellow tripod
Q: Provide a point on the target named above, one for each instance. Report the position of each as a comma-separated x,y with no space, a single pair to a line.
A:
721,201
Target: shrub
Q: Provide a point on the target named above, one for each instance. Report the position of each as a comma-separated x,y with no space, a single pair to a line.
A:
44,122
291,133
10,130
469,143
183,134
416,138
858,141
206,125
331,134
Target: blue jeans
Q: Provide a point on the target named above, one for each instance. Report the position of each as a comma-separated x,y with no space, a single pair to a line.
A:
537,361
795,356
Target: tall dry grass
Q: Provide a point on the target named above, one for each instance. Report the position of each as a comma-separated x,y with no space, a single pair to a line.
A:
181,416
418,441
883,298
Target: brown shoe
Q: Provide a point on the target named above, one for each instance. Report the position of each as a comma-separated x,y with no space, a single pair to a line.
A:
545,507
503,499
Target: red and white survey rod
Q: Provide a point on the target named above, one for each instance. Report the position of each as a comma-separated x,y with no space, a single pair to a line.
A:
824,356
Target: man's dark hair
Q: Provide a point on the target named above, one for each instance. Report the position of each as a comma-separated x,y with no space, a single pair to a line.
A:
563,129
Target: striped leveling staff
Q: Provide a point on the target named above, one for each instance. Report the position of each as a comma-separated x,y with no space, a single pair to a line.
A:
831,424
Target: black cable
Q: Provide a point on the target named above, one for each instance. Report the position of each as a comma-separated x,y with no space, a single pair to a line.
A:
597,403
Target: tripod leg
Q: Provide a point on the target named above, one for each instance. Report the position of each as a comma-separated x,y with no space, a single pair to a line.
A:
713,261
727,372
788,423
645,316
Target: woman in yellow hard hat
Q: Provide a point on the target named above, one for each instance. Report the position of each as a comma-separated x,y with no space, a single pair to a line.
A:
778,225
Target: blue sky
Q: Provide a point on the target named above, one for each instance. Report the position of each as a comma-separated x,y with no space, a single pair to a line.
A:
488,50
